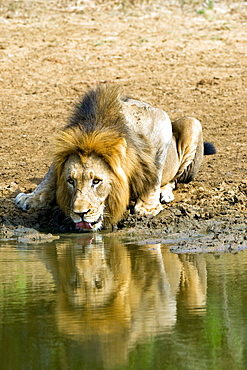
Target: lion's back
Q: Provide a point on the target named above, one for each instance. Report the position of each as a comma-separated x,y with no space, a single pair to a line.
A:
106,108
151,124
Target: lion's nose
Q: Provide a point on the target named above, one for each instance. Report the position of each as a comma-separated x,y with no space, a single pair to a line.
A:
82,214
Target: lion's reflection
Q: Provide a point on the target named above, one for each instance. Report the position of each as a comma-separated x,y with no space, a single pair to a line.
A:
118,295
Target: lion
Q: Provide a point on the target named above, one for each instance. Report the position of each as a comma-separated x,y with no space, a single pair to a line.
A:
116,150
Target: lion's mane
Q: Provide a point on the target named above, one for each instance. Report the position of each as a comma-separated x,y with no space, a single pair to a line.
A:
98,127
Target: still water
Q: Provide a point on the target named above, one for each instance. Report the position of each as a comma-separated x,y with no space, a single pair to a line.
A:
84,302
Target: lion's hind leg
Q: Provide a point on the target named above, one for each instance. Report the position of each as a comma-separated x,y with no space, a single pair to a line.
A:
184,156
189,139
42,196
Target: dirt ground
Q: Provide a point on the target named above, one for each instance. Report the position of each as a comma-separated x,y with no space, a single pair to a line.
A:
189,61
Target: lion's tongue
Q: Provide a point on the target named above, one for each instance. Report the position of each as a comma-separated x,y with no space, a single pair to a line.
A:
84,225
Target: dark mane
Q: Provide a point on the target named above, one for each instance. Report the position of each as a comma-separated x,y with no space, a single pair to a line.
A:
100,109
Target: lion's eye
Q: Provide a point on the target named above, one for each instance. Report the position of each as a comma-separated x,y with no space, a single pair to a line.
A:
70,181
96,181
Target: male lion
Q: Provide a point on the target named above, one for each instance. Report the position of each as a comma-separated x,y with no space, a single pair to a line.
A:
116,149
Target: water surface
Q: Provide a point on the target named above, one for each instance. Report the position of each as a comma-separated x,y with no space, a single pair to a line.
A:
96,302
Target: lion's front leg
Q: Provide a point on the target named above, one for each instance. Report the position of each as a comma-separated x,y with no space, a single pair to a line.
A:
42,196
149,204
166,194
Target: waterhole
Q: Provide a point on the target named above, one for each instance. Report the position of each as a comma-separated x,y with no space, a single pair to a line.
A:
102,301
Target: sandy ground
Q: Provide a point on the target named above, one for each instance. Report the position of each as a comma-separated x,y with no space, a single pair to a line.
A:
182,61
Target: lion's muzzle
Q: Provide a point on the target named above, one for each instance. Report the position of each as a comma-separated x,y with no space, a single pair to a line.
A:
84,225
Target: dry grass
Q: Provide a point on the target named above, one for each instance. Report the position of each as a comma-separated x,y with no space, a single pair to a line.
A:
26,8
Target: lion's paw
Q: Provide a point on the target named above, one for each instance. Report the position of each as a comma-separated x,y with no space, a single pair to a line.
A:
26,201
147,209
166,194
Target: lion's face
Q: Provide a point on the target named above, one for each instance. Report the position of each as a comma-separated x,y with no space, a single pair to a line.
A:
82,190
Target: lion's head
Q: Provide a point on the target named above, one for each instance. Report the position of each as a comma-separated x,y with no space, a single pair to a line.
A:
92,185
86,187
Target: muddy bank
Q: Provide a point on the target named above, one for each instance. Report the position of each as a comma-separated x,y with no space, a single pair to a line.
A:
199,222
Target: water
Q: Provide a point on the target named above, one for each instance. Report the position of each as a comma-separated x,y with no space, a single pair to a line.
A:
100,303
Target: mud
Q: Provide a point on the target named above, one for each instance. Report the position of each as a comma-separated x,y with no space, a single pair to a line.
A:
189,61
25,235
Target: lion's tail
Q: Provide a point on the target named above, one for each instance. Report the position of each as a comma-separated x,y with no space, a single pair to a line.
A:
209,148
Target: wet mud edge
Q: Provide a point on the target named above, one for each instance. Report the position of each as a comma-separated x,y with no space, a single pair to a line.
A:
194,224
